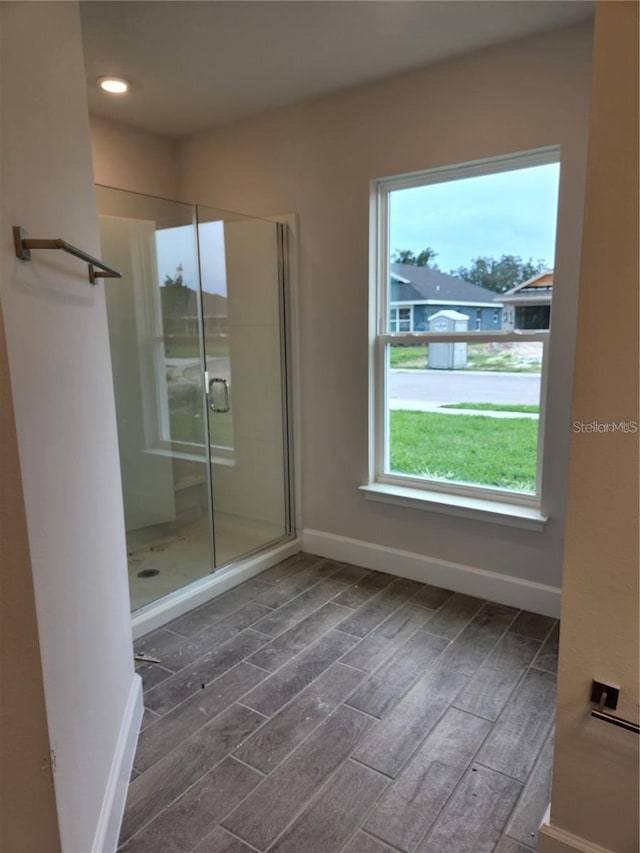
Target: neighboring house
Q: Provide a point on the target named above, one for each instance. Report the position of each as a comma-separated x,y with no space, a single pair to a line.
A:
528,305
419,292
180,312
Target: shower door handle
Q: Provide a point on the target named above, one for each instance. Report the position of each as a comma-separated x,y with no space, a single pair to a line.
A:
212,405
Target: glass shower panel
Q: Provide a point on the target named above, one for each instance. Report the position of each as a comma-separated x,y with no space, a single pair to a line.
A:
154,318
242,299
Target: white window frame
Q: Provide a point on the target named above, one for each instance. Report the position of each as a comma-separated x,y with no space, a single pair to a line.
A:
398,307
494,504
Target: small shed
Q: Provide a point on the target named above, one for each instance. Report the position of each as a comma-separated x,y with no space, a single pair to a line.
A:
448,356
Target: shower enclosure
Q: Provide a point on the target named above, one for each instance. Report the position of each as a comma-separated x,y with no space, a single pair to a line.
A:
197,329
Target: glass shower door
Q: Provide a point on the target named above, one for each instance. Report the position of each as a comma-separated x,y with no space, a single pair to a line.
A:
154,322
196,329
244,341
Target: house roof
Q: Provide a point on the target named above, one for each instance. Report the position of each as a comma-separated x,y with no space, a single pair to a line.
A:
423,284
535,291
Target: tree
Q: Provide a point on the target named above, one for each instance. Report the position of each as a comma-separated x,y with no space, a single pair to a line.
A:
178,281
175,296
500,274
406,256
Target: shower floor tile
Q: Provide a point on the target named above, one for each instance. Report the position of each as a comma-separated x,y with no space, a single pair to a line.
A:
292,759
185,556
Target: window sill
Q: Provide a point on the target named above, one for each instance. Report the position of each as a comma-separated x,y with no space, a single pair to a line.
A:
480,509
216,459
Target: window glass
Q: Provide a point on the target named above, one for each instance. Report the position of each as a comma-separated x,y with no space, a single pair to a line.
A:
470,255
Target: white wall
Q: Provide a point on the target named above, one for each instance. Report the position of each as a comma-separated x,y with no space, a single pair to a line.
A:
63,398
317,159
595,783
133,159
26,782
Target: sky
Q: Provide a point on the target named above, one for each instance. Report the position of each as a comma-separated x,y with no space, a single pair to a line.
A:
177,246
511,213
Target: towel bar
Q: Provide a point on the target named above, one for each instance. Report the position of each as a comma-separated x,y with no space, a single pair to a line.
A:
24,244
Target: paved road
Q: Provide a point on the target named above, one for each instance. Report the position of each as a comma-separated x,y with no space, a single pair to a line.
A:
457,386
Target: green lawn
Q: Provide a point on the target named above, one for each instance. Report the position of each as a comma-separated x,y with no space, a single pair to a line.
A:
494,407
479,357
186,422
190,348
481,450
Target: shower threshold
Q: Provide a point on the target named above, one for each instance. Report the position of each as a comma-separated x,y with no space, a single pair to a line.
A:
183,592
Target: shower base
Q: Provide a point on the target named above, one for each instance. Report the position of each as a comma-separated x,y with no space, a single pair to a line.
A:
184,555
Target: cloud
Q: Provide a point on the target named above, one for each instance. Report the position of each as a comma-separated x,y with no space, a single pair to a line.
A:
510,213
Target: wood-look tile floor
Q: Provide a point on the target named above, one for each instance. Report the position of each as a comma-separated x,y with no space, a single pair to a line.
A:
321,707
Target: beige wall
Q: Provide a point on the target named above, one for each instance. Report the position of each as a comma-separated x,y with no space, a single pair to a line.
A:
26,783
133,159
60,371
595,785
317,159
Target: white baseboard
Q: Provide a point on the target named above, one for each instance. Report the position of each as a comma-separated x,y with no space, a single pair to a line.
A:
552,839
505,589
183,600
110,820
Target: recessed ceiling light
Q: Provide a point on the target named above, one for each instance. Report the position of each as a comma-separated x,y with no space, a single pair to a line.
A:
113,85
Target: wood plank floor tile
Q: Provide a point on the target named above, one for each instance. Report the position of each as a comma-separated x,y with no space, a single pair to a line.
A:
263,816
221,841
332,686
224,605
454,615
508,845
221,630
148,718
280,620
286,646
363,843
335,813
193,815
383,688
490,688
525,821
547,658
360,592
179,724
386,638
472,820
473,644
288,567
152,674
206,669
273,741
398,735
351,574
411,805
533,625
283,591
432,597
287,682
154,790
158,642
517,737
380,607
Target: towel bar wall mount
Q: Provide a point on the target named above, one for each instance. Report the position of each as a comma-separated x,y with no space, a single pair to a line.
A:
24,244
606,696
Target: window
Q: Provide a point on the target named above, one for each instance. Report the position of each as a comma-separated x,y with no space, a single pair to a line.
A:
457,411
400,319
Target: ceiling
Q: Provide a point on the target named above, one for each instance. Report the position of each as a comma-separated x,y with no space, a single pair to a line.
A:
194,65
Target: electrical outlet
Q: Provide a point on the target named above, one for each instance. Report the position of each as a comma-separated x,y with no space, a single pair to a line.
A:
598,688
